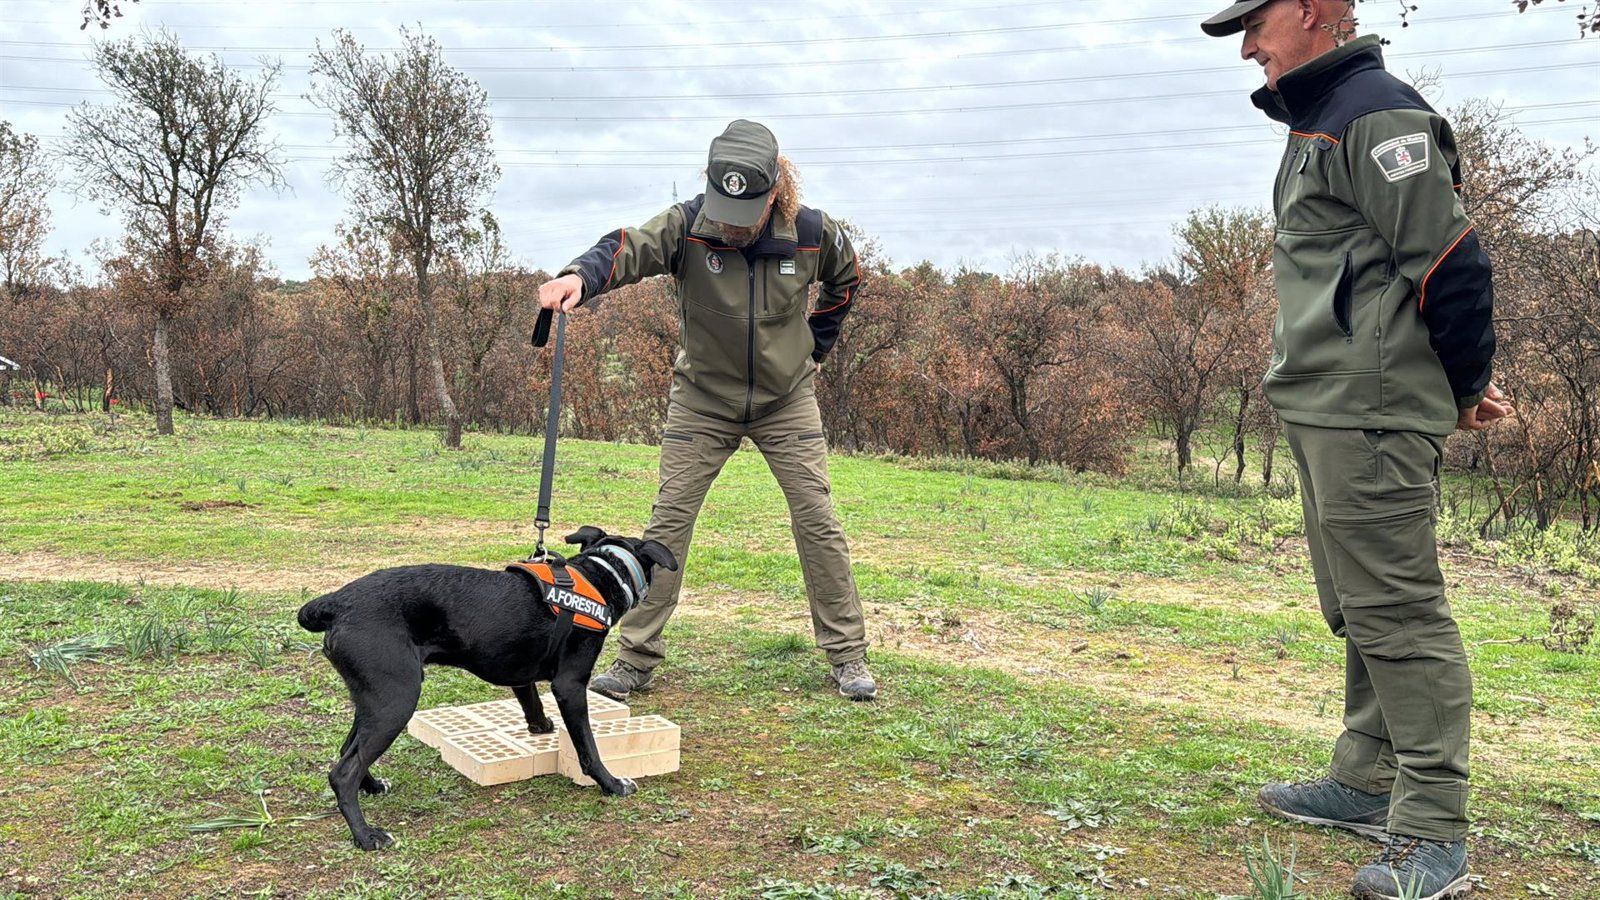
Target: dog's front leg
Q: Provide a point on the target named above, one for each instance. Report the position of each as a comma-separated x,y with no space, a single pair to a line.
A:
533,710
572,698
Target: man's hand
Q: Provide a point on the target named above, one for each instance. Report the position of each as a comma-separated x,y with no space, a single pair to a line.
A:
1493,407
818,364
563,294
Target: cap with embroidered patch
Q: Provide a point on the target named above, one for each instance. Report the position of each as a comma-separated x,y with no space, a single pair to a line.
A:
741,171
1228,21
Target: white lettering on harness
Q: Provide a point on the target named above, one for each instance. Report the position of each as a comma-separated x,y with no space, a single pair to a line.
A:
580,604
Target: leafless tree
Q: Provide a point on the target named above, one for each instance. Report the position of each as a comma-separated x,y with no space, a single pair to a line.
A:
419,160
182,138
1196,332
24,215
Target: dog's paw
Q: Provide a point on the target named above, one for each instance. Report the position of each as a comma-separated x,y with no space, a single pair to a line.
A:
625,787
375,786
541,728
375,839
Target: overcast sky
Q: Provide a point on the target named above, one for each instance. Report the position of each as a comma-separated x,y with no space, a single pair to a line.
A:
963,131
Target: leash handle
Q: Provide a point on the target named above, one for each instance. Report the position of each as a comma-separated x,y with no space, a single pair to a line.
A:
541,328
547,470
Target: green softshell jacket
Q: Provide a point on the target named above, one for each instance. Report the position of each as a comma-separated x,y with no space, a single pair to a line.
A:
1385,301
747,336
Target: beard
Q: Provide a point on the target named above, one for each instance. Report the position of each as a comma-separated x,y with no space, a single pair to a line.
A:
744,237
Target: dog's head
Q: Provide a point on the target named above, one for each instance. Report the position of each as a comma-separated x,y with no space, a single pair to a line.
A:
646,554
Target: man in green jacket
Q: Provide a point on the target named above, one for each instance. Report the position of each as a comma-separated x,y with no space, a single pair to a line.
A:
743,255
1382,347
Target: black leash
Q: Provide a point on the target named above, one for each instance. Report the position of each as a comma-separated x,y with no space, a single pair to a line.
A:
547,471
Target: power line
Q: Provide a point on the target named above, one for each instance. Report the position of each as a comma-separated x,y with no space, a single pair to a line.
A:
883,60
726,45
880,91
878,148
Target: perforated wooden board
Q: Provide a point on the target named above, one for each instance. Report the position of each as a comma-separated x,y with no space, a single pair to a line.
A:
432,726
490,744
630,748
489,757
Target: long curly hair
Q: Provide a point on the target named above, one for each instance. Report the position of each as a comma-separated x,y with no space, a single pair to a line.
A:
786,193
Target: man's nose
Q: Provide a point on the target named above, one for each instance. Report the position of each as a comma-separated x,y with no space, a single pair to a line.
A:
1249,47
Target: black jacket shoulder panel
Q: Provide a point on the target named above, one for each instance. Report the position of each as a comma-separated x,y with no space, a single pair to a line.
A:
808,226
1363,93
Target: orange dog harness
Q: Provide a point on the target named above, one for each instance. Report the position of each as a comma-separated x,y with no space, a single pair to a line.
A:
569,591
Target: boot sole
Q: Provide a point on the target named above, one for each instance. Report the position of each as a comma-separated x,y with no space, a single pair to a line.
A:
1458,888
859,698
1375,833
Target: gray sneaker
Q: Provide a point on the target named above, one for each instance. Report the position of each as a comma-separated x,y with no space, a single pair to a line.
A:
621,680
1327,802
1415,869
854,681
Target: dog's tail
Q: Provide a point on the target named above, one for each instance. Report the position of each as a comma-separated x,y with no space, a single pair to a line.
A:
320,613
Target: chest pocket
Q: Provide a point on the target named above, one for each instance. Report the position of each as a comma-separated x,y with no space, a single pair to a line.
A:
715,278
783,284
1305,202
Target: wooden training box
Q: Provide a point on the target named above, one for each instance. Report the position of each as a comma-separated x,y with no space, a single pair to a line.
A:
490,744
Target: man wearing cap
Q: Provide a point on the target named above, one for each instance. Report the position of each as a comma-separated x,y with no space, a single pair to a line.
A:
743,255
1382,347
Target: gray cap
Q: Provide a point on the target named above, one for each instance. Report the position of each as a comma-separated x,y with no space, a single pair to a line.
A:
1227,22
741,171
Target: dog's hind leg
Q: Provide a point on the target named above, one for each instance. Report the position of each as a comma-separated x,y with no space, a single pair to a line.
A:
533,710
369,784
384,703
572,698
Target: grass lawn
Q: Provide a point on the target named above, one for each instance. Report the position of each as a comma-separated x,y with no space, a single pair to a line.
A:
1083,683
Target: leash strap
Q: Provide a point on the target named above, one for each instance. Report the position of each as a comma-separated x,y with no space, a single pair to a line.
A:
547,470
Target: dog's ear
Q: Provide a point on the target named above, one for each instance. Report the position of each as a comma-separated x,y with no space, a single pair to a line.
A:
586,536
657,552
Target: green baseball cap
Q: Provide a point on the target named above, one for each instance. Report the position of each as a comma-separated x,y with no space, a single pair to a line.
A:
1227,22
741,171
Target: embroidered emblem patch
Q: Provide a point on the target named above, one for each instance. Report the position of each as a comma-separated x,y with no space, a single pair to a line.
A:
714,263
1402,157
733,184
838,241
786,267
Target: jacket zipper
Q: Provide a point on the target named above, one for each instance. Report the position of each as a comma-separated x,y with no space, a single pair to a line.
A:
750,348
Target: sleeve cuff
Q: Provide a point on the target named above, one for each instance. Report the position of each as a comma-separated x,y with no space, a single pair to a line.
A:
588,289
1466,403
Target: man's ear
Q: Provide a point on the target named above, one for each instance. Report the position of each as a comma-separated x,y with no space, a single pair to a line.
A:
657,552
586,536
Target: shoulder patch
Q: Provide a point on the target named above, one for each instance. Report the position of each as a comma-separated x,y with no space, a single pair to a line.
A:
838,239
1403,157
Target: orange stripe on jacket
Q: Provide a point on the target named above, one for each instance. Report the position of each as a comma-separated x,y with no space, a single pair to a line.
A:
623,242
1314,134
1422,300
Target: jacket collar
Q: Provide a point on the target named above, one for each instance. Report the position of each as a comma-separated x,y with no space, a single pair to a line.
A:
780,238
1303,88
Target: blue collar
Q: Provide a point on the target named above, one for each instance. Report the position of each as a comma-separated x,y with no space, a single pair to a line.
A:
630,564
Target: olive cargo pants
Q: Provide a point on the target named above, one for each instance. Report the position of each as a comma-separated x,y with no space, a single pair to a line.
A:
1369,500
694,448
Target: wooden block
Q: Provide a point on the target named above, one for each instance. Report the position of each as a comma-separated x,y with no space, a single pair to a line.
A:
433,726
601,708
630,748
492,757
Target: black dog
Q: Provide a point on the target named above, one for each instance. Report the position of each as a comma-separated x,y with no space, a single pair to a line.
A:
500,626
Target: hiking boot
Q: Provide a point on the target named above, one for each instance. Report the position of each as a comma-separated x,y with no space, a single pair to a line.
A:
1415,869
621,680
854,681
1327,802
